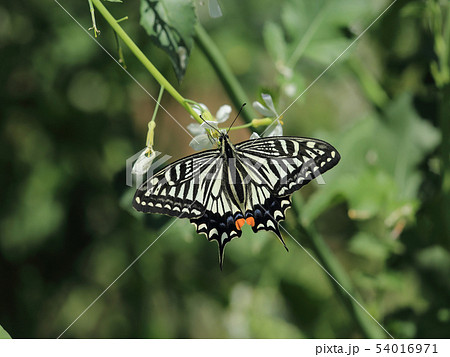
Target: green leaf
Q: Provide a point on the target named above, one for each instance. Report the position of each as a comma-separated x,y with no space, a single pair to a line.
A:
436,261
4,334
410,138
113,0
378,174
371,247
315,27
170,24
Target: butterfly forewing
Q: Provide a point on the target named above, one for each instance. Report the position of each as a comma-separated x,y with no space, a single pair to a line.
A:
179,189
289,163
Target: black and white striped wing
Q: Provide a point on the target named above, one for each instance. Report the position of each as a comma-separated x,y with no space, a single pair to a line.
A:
179,189
195,188
220,191
277,167
288,163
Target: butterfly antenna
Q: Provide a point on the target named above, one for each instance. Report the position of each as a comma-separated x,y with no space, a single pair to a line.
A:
240,110
215,129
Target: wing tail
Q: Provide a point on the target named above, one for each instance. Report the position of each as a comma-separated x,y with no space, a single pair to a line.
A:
221,228
267,216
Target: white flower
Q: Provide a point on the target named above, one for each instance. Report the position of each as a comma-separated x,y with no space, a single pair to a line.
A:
269,109
195,129
254,136
274,129
143,162
202,139
201,142
223,113
290,89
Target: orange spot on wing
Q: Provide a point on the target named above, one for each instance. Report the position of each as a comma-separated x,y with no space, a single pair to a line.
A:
239,223
250,221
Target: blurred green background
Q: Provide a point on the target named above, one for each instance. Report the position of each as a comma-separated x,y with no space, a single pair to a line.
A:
70,117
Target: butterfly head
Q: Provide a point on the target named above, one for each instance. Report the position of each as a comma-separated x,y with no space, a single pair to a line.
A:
226,147
223,137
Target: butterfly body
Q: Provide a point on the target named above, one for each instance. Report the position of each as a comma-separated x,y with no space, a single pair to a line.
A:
250,183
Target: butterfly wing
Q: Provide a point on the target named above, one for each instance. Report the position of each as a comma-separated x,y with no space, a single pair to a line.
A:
175,190
276,167
199,186
195,188
288,163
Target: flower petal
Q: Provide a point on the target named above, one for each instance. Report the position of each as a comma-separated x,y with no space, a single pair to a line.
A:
254,136
223,113
267,98
207,124
274,130
198,110
143,162
201,142
262,109
195,129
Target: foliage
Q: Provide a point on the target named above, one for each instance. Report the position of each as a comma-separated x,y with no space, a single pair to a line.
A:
71,117
3,333
170,24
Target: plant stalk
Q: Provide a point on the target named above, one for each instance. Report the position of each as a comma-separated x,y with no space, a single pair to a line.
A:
223,71
144,60
335,269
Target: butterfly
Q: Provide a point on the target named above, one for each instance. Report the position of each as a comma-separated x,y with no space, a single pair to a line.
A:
223,189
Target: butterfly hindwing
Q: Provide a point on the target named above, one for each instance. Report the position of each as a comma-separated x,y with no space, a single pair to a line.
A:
221,228
221,211
268,214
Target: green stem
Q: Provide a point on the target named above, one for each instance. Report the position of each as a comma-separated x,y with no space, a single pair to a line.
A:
152,124
120,51
143,59
94,25
332,265
229,81
248,125
442,47
122,19
444,114
161,91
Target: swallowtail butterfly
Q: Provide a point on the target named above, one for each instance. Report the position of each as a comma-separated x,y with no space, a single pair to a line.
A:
251,182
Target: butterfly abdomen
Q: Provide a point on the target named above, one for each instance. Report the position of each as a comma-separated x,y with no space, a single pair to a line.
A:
235,182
